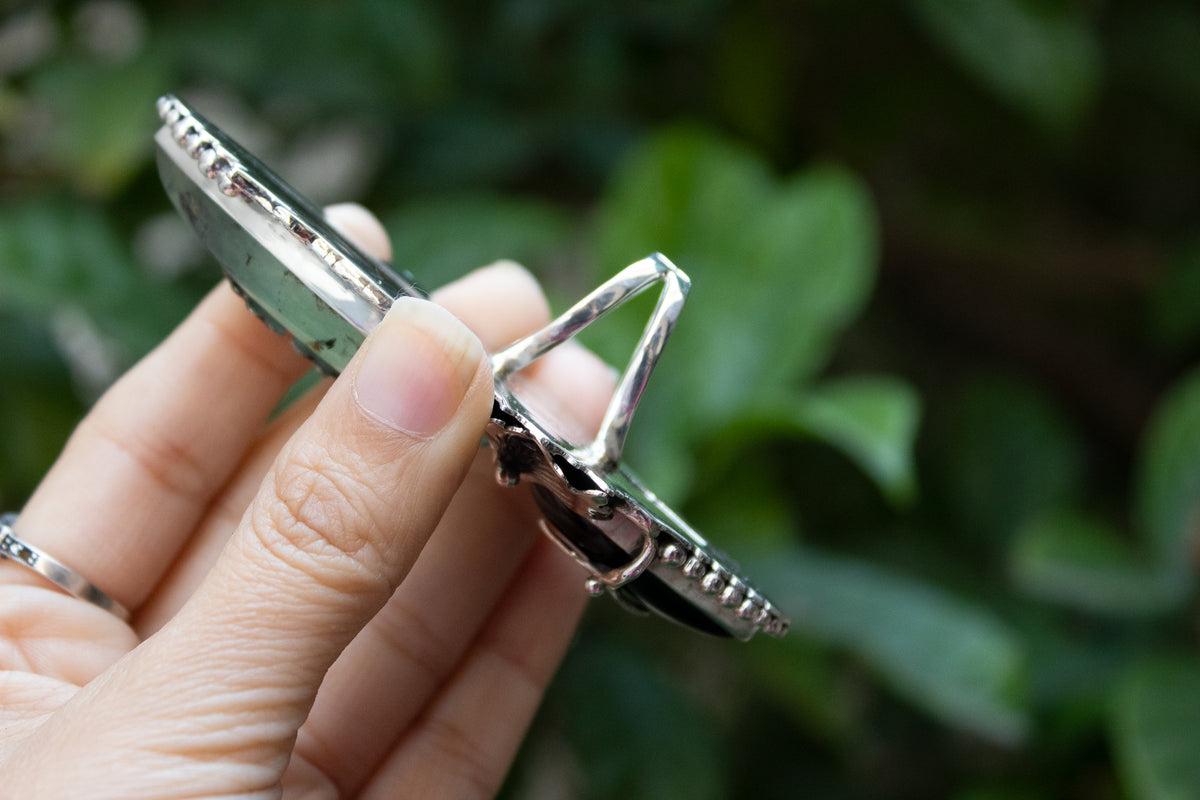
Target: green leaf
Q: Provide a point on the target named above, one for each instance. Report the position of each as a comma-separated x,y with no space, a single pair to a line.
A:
443,238
60,251
63,254
778,269
1083,562
103,118
607,690
1168,478
686,193
1043,57
1073,559
1175,299
1006,453
953,660
38,408
807,679
811,267
873,421
1153,725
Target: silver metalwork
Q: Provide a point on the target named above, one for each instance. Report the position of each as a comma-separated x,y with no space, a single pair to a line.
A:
605,451
611,579
295,271
280,254
53,570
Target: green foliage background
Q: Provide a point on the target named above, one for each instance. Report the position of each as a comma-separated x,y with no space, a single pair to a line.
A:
936,377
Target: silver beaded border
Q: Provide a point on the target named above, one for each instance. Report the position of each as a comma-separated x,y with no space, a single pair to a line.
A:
722,584
232,180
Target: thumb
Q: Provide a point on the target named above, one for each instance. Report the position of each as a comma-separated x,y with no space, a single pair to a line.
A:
352,497
338,522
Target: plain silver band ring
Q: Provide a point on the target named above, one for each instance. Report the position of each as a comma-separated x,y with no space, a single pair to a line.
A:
54,570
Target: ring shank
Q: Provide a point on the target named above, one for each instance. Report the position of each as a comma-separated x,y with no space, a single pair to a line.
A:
54,570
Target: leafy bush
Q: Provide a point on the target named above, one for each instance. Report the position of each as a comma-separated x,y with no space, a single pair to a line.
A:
936,377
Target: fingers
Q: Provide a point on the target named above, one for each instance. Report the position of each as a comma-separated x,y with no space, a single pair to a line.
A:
361,227
56,636
222,518
469,735
386,679
341,517
389,673
137,474
500,303
140,470
351,499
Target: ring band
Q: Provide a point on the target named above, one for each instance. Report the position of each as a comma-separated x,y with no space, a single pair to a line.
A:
54,570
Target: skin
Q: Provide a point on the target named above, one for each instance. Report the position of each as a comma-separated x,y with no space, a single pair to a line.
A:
337,602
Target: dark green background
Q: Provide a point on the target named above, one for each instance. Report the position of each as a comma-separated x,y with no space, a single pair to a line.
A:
934,384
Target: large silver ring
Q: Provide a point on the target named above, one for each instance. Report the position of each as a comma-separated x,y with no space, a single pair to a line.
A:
303,278
54,570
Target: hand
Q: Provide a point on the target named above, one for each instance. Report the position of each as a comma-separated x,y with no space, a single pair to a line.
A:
337,602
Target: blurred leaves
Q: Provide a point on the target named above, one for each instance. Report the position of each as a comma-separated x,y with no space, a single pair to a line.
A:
1154,724
1008,453
60,255
939,245
666,748
955,661
1085,562
440,239
874,422
1168,486
1081,561
1041,56
797,256
303,59
93,119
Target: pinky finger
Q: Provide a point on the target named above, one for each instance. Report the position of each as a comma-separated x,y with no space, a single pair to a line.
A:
468,737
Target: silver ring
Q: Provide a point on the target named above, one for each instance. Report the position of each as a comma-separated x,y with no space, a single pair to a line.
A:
54,570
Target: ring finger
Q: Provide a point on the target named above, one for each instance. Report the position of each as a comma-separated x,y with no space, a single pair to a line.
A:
141,468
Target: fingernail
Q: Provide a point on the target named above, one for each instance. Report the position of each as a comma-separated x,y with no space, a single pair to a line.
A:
417,369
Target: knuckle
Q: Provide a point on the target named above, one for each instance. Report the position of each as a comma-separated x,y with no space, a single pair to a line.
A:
319,514
461,757
167,461
409,638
